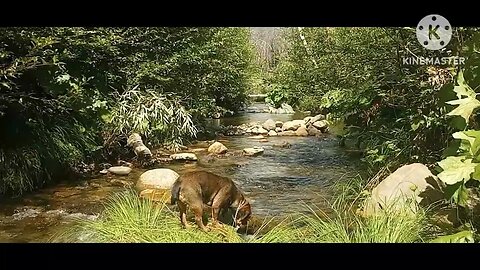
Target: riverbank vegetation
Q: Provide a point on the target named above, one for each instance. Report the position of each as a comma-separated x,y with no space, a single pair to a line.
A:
395,111
71,96
129,218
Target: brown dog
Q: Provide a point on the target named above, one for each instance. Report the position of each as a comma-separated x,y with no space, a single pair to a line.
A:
200,188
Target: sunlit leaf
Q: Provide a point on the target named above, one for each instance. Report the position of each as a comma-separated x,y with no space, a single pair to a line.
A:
465,108
457,192
456,169
476,173
470,141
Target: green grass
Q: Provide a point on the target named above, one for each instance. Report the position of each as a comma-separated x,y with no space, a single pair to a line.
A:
128,218
343,224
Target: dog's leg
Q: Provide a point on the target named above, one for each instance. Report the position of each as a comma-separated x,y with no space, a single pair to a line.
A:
215,212
198,211
219,203
183,214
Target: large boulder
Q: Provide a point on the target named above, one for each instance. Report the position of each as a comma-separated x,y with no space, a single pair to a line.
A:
272,133
184,156
287,108
322,125
307,119
119,170
293,125
407,187
269,124
217,148
253,151
314,119
157,179
312,131
301,131
259,130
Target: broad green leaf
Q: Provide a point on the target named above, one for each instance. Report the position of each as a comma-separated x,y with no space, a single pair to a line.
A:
476,173
457,122
456,169
461,237
475,147
462,136
446,93
461,91
461,82
452,148
457,192
470,141
465,108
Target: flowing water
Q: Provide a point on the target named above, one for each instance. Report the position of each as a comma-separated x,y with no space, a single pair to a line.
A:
280,181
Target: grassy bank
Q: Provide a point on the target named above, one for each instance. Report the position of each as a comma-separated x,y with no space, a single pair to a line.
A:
128,218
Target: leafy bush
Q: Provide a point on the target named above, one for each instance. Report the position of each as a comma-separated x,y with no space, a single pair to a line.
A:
72,88
158,118
394,111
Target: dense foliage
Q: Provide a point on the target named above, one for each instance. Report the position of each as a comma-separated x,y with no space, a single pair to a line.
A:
69,95
394,110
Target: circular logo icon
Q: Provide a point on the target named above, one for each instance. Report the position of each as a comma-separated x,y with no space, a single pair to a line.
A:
434,32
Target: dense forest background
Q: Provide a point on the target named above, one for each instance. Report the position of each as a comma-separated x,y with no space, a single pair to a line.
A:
70,96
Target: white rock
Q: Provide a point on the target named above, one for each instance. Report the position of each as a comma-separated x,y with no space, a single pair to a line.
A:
259,130
157,179
184,156
301,131
402,189
217,148
321,125
269,124
120,170
293,125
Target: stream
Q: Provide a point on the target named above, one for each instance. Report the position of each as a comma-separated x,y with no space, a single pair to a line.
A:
280,181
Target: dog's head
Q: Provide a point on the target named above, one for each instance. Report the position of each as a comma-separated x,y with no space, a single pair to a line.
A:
243,212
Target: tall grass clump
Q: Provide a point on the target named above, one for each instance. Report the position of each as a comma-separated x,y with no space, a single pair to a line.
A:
34,151
342,222
128,218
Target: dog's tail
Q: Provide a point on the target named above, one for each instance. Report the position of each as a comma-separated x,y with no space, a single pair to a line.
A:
175,192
